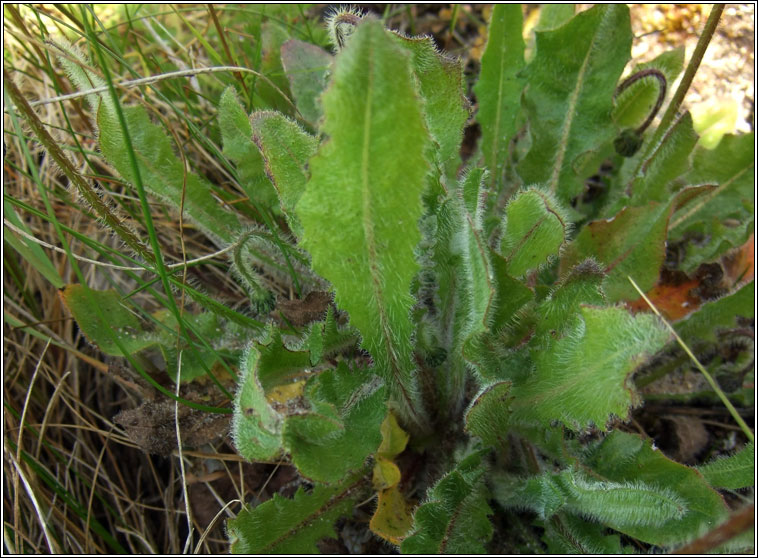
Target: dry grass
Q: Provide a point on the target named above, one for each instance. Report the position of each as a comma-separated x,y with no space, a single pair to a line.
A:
74,482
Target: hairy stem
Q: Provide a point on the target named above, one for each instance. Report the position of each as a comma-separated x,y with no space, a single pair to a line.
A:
85,190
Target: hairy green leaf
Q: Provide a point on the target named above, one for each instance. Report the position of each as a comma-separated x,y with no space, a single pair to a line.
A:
512,294
468,281
620,504
337,338
583,378
717,220
554,15
256,426
307,67
315,343
476,284
342,428
282,526
258,420
559,311
666,162
454,519
445,106
440,293
535,227
76,65
498,89
359,226
626,458
237,139
121,323
285,149
568,533
734,472
540,494
487,416
195,362
569,95
272,36
162,172
278,364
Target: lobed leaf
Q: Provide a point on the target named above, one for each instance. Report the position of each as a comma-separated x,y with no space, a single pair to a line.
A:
359,226
569,92
342,427
583,378
499,87
282,526
454,519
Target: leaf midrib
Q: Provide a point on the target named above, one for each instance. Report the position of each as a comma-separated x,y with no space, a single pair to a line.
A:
305,522
368,230
570,113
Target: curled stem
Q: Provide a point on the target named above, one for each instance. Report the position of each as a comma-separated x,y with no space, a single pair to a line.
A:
634,78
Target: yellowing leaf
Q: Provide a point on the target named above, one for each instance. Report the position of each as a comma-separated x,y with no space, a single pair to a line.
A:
392,519
394,438
386,474
286,392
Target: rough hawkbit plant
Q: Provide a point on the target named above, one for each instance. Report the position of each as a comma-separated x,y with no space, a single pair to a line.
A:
474,369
